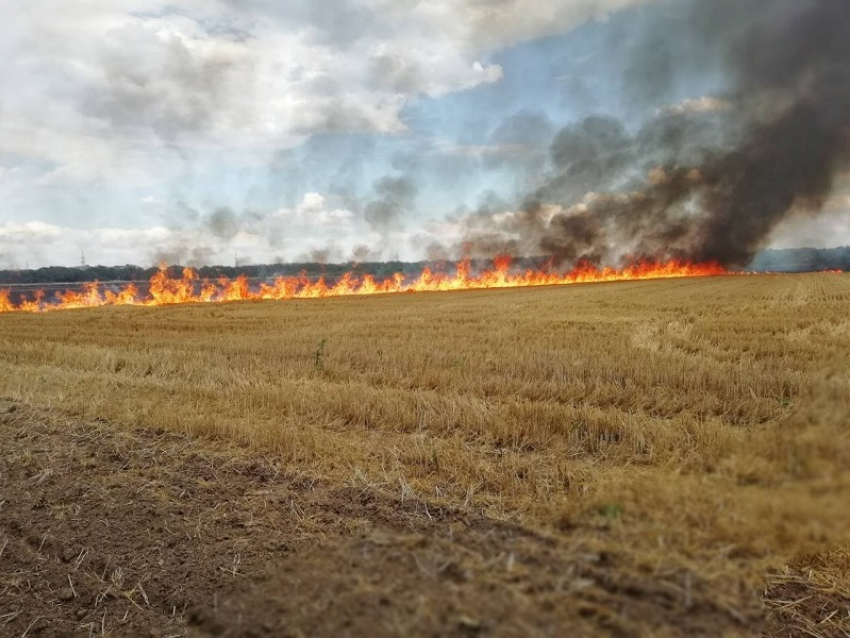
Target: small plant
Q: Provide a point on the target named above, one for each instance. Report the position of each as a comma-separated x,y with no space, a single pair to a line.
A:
612,510
435,459
319,355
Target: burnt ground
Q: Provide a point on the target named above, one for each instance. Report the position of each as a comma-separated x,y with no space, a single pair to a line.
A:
149,533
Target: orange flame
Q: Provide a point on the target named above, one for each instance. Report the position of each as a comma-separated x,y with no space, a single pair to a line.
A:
166,290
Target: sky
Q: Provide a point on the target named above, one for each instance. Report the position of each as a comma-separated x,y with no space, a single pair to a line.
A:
254,131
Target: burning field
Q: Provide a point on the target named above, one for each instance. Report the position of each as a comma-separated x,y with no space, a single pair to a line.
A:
163,289
653,457
496,452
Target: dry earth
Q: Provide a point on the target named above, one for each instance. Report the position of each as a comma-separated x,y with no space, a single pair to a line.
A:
152,533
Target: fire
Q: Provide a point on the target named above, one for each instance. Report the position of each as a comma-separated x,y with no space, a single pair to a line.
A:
166,290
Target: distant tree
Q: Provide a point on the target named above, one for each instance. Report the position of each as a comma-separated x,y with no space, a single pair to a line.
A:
786,260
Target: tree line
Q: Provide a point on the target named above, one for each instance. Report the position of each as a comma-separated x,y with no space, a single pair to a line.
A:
61,274
787,260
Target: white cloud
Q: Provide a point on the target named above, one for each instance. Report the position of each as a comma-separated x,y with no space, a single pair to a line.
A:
102,89
124,237
493,24
40,244
16,232
705,104
289,233
311,213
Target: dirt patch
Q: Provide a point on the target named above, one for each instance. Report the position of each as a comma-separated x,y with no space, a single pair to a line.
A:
811,597
148,533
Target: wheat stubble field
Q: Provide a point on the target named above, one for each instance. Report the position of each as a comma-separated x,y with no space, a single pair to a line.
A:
645,458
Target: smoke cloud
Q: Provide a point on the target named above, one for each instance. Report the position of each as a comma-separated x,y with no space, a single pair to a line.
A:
707,179
395,196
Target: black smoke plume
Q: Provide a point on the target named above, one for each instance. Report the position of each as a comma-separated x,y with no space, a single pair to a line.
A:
706,180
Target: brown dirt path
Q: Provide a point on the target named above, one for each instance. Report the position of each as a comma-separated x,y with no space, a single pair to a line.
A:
114,533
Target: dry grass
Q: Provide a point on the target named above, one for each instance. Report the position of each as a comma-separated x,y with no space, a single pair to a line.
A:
696,425
812,596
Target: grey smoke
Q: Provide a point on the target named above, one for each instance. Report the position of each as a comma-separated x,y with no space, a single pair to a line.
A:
520,142
183,254
705,186
181,215
364,253
396,195
223,223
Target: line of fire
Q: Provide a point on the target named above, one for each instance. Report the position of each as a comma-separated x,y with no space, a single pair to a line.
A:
166,288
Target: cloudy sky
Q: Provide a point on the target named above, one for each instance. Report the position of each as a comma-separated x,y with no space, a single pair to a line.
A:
207,131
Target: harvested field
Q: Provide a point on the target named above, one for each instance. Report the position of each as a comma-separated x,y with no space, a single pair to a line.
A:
645,458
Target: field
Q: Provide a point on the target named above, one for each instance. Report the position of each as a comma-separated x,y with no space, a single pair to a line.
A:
644,458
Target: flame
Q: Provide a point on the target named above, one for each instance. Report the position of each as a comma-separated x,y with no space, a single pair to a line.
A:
166,290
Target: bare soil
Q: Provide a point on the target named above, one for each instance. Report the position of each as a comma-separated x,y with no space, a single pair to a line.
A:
105,531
